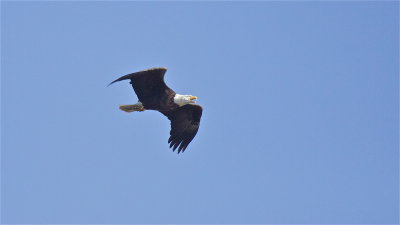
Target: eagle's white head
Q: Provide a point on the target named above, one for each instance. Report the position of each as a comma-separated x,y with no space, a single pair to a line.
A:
182,100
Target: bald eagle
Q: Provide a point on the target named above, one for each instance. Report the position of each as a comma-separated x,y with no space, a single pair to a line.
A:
154,94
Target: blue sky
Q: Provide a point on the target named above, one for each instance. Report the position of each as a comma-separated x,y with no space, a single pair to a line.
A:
300,120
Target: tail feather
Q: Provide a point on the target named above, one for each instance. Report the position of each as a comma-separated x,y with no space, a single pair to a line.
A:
131,108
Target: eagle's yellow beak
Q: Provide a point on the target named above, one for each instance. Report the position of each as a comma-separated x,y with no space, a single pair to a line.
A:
192,98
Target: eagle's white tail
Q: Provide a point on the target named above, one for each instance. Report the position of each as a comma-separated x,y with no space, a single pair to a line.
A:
132,108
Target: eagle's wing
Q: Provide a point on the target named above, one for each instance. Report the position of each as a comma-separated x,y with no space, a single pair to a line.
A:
185,122
147,83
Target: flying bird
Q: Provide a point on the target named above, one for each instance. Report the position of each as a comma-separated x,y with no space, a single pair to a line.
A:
154,94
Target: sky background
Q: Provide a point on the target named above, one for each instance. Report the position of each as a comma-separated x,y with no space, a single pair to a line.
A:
300,120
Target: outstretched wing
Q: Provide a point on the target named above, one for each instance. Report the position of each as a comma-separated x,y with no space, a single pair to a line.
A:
147,83
185,122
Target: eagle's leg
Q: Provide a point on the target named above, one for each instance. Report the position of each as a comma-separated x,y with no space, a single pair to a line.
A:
132,108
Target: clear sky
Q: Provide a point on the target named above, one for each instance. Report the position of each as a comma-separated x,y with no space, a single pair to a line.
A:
300,120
